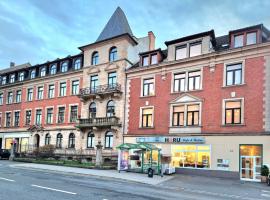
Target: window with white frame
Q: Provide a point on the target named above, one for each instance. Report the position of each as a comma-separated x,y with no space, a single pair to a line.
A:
90,140
238,41
178,115
49,119
38,116
73,113
47,139
43,72
75,87
8,119
234,74
145,60
251,38
33,74
95,58
113,54
16,118
63,89
12,78
194,80
193,115
21,76
195,49
61,114
148,87
28,115
51,91
53,69
71,140
109,140
64,67
0,119
59,140
179,82
77,64
4,80
181,52
18,96
154,59
147,117
10,98
233,112
94,83
1,99
29,94
40,90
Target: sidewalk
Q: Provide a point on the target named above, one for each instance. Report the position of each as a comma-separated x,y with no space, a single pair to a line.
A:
129,176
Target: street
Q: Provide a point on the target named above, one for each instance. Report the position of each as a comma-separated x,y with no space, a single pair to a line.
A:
24,184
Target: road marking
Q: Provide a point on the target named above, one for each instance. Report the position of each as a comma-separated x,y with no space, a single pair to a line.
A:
265,195
47,188
5,179
268,191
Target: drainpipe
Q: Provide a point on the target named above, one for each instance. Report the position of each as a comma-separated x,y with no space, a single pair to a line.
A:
125,98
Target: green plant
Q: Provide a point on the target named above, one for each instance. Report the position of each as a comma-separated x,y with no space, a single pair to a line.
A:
264,171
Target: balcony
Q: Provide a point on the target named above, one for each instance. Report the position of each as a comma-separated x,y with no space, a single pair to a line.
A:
99,122
100,91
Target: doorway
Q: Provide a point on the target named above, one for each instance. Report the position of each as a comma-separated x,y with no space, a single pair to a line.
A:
36,141
0,143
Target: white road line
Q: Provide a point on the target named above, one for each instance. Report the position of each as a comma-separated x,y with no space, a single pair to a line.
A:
5,179
47,188
265,195
268,191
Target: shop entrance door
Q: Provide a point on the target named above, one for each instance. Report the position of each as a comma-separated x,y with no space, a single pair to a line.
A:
0,143
251,168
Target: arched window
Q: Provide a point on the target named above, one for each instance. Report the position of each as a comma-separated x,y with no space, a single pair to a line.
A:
47,139
110,109
90,140
71,140
64,67
53,69
92,110
109,140
59,139
113,54
94,58
77,64
33,74
43,71
21,76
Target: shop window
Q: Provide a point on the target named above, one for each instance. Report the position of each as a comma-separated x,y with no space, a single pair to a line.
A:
24,146
148,87
191,156
233,112
147,117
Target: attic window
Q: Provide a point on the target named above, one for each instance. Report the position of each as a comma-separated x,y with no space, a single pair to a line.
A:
195,49
251,38
145,61
238,41
154,59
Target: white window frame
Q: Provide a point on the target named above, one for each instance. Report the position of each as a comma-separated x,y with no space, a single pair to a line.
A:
48,90
69,111
142,81
57,112
153,116
46,109
37,92
7,98
1,103
232,62
1,119
14,117
242,99
71,81
24,123
6,118
59,89
27,94
36,115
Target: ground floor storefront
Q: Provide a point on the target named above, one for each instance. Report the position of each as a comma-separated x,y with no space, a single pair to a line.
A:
222,156
20,139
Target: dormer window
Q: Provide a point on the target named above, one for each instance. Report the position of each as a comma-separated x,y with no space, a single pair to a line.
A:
195,49
33,74
181,52
77,64
94,58
154,59
251,38
64,67
113,54
145,60
238,41
43,71
53,69
12,78
4,80
21,76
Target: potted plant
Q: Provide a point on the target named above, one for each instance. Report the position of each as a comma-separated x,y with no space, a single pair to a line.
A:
264,173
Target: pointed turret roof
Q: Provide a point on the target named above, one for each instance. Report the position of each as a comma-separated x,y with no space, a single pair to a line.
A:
117,25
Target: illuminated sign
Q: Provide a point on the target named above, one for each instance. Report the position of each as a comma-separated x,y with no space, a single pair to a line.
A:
171,140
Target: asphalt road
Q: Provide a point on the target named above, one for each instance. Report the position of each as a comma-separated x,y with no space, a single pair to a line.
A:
22,184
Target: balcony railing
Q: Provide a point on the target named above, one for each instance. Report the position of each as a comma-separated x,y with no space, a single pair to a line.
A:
98,122
100,90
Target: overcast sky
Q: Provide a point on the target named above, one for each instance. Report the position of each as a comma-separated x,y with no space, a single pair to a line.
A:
39,30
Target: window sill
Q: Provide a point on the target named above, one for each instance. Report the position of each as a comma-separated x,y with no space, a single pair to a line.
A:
229,86
90,148
184,92
108,148
148,96
151,127
195,126
232,125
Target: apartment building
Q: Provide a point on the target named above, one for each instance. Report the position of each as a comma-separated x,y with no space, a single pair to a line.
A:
204,101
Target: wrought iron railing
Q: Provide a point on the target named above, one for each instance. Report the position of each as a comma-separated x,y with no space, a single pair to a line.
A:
101,89
98,122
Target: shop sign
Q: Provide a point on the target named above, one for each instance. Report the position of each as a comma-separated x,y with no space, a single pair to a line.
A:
171,140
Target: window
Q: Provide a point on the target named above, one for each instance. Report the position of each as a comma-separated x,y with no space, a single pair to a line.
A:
1,99
0,119
233,112
112,79
28,117
64,67
179,82
4,80
40,93
191,156
75,87
38,116
47,139
43,71
8,119
21,76
61,114
12,78
113,54
18,96
178,115
110,109
33,74
95,58
194,80
193,115
234,74
251,38
63,89
154,59
94,83
49,119
195,49
148,87
92,110
53,69
238,41
59,139
145,61
147,117
16,118
51,91
109,140
10,98
29,94
71,140
73,113
181,52
90,140
77,64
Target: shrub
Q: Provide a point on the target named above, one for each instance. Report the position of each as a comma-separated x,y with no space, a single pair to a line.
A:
265,170
46,151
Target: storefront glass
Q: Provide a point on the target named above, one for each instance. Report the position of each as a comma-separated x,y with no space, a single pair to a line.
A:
8,142
191,156
24,144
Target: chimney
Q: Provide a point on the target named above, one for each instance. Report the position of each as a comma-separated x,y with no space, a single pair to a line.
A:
12,64
152,39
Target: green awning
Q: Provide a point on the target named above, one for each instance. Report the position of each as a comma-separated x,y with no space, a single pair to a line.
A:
145,146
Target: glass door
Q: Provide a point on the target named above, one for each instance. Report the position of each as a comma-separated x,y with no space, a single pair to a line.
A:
250,168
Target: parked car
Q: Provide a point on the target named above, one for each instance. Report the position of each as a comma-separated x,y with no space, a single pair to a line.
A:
268,180
4,153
